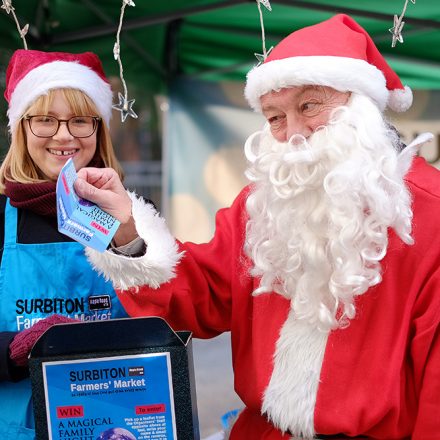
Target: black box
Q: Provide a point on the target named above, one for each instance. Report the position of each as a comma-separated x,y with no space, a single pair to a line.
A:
122,378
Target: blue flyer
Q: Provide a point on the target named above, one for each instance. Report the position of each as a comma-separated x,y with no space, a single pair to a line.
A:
80,219
120,397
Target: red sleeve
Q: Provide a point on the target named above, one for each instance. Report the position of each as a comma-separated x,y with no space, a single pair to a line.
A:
427,426
425,355
199,297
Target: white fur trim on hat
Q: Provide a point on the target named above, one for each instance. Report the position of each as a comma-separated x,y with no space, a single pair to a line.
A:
59,74
155,267
340,73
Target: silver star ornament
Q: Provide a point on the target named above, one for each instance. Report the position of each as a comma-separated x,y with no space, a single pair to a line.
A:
396,30
261,58
7,6
266,4
125,107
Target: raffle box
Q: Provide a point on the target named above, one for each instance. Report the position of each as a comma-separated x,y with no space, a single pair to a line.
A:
121,379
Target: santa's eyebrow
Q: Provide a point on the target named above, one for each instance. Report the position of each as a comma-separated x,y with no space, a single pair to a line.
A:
301,91
310,88
268,108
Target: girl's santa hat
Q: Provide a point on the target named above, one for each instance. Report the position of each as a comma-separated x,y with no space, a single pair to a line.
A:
32,73
337,53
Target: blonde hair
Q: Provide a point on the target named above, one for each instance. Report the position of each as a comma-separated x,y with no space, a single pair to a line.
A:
18,166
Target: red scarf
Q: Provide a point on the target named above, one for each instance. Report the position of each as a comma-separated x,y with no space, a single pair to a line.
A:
38,197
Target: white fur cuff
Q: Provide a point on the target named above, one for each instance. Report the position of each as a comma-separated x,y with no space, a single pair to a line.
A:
155,267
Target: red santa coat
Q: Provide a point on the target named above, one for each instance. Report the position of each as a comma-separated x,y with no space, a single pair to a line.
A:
380,377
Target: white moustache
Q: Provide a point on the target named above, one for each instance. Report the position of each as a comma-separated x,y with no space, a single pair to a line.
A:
305,156
298,150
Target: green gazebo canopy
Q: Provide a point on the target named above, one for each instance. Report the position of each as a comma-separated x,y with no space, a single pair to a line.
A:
215,39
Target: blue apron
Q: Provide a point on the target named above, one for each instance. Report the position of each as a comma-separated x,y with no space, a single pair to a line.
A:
36,281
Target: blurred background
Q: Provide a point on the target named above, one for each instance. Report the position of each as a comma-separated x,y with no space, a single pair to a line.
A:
185,64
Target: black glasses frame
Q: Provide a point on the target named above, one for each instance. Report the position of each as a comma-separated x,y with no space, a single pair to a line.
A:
96,121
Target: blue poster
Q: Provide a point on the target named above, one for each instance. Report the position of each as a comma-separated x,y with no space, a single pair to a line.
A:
121,397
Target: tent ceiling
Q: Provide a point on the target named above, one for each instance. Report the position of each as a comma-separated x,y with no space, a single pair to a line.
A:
215,39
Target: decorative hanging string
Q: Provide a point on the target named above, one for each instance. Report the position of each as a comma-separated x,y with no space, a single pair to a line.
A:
396,30
125,105
7,6
262,57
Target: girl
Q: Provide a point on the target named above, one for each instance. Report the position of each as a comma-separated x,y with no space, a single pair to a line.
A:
59,108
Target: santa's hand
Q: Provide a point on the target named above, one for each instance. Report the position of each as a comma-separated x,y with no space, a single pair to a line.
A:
103,187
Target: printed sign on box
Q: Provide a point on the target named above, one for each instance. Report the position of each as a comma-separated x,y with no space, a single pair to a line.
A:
81,219
129,397
117,379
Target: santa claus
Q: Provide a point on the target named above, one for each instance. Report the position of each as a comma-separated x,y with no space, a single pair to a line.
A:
325,269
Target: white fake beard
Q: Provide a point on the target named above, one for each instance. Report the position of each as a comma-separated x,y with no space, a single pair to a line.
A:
320,209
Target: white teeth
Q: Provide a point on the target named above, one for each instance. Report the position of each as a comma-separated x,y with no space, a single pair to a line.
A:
62,153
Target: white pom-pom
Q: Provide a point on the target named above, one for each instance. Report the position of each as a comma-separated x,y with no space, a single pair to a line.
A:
400,100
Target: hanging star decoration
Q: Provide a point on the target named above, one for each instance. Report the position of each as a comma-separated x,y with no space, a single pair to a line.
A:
266,4
396,30
261,57
124,105
7,6
398,24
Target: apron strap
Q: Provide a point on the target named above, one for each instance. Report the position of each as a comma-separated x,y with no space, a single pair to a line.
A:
10,223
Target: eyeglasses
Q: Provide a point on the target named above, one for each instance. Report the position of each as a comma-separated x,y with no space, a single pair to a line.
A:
45,126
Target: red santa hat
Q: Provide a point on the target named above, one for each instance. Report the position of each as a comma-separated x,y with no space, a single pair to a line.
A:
32,73
337,53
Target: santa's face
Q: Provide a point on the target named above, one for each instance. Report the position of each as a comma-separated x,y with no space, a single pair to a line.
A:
300,110
320,209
